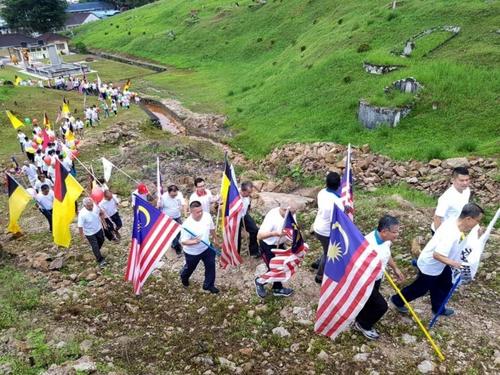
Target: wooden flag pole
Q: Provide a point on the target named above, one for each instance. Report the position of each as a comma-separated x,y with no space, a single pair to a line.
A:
415,317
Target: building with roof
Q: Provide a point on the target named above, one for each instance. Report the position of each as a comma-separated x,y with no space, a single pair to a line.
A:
35,46
77,19
93,6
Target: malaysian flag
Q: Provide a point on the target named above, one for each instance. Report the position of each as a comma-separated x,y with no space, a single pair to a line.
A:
350,272
232,207
346,193
284,265
152,234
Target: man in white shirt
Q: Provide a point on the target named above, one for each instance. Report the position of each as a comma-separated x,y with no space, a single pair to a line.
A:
376,306
202,195
172,204
109,205
45,200
90,226
436,259
42,180
247,221
199,223
452,201
327,198
270,236
30,171
141,191
21,137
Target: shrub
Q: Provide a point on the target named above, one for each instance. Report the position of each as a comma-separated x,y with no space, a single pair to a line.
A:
259,40
239,110
364,47
347,79
467,146
230,93
391,16
129,33
245,88
302,49
340,21
435,153
81,47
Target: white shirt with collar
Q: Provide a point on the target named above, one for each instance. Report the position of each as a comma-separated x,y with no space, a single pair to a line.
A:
46,202
205,200
383,249
200,228
89,221
450,204
323,220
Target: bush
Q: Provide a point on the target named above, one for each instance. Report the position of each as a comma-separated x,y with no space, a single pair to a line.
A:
435,153
230,93
245,88
467,146
363,47
81,47
340,21
259,40
239,110
391,16
302,49
347,79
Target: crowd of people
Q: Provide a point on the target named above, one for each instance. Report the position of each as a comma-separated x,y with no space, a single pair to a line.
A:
100,220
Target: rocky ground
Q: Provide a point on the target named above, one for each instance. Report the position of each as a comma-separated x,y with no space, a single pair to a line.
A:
87,319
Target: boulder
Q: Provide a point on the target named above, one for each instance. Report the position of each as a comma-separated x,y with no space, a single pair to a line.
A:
268,200
56,264
455,162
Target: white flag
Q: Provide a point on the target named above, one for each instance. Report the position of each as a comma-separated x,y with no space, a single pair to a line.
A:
472,249
107,167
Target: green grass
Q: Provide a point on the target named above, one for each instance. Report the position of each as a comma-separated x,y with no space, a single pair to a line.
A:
17,295
294,74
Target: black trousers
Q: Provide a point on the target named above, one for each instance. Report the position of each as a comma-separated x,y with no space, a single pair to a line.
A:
267,255
114,223
208,259
96,240
439,286
48,215
249,223
325,244
374,308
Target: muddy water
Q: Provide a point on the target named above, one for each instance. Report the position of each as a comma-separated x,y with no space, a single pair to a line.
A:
168,122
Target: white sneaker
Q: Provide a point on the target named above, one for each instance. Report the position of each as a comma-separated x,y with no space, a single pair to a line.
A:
368,333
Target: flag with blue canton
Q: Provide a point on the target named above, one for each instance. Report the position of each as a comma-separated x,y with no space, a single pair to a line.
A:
351,268
152,235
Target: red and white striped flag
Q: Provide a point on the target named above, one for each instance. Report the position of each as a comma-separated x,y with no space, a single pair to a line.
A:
284,265
152,234
351,268
232,207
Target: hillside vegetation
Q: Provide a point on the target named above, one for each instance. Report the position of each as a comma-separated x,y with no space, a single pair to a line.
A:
292,70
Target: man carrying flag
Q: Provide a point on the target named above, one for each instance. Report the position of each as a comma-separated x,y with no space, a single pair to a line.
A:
67,190
285,263
90,226
195,239
18,199
272,234
351,269
152,234
232,208
376,306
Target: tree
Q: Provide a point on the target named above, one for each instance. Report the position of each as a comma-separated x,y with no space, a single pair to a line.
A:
35,15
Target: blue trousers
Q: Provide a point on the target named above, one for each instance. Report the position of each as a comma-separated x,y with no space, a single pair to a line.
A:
208,259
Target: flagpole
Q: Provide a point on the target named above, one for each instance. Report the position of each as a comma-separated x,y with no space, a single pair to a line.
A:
216,251
415,317
84,167
448,297
158,183
133,179
219,207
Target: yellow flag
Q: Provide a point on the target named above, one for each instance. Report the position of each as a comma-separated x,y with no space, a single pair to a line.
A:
70,137
67,190
17,81
16,123
18,199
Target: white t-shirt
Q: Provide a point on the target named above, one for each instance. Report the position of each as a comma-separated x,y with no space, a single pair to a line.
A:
273,222
30,171
89,221
172,206
246,204
21,136
450,204
46,201
142,196
79,124
383,250
200,228
38,184
205,200
446,242
323,219
110,207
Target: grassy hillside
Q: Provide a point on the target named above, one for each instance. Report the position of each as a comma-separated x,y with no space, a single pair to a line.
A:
292,70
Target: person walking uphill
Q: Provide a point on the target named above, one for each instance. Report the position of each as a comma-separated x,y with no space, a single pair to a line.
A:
90,226
199,223
437,258
376,306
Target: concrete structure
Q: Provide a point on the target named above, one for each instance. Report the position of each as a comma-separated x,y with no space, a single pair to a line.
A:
36,47
372,117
